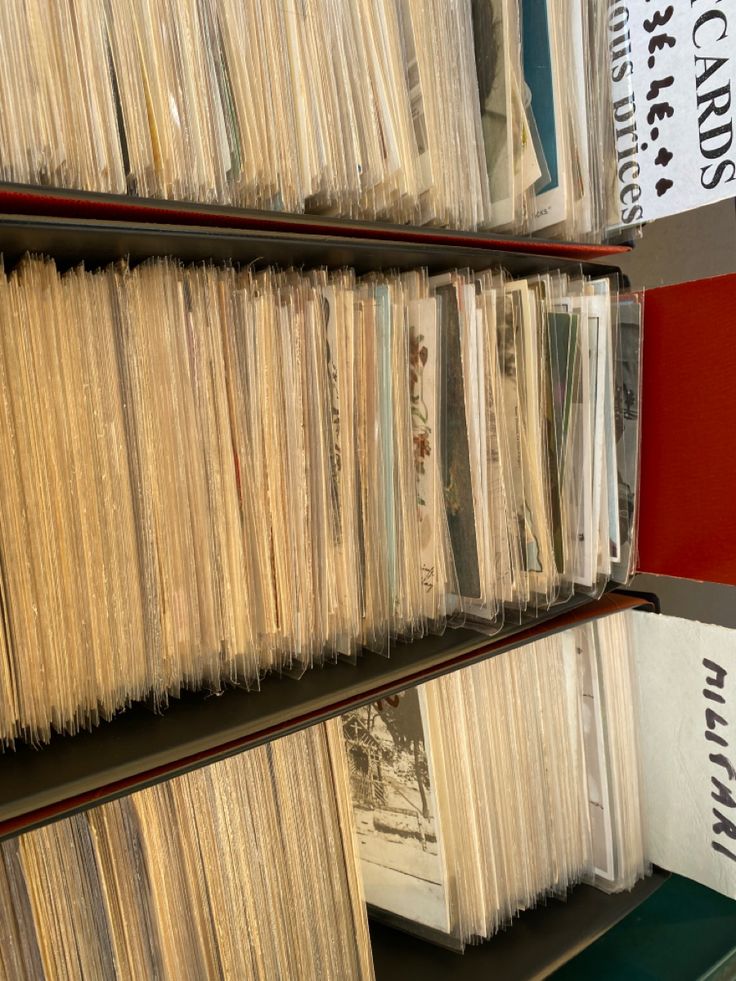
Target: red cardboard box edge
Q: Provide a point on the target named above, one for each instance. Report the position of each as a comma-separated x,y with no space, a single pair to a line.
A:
687,489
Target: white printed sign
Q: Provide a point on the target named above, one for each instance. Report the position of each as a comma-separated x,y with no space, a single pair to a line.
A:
673,73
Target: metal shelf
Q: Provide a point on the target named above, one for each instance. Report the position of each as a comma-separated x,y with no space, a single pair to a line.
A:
538,942
98,241
26,199
139,748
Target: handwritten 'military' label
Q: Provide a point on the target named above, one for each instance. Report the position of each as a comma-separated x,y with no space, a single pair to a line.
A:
686,678
673,76
716,731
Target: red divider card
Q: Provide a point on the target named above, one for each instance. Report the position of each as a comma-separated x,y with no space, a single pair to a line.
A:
687,525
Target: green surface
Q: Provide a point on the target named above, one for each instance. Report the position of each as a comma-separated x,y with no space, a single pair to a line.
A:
684,932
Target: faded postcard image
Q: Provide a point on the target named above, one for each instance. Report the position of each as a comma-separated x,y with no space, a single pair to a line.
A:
595,755
493,90
395,810
627,380
457,478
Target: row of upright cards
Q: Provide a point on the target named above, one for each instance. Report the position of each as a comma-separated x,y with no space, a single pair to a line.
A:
525,116
334,462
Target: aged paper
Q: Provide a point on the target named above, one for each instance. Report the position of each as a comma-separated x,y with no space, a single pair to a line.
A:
687,702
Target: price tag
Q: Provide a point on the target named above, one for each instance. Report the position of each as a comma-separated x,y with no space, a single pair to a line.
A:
673,87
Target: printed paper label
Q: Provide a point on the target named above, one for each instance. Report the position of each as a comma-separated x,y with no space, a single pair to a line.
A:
674,85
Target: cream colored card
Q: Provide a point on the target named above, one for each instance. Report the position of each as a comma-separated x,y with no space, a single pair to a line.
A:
686,675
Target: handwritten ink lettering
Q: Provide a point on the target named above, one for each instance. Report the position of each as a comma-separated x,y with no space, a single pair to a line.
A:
723,794
719,675
713,737
659,43
719,759
714,696
659,19
672,71
660,111
722,850
724,825
629,143
657,85
712,717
